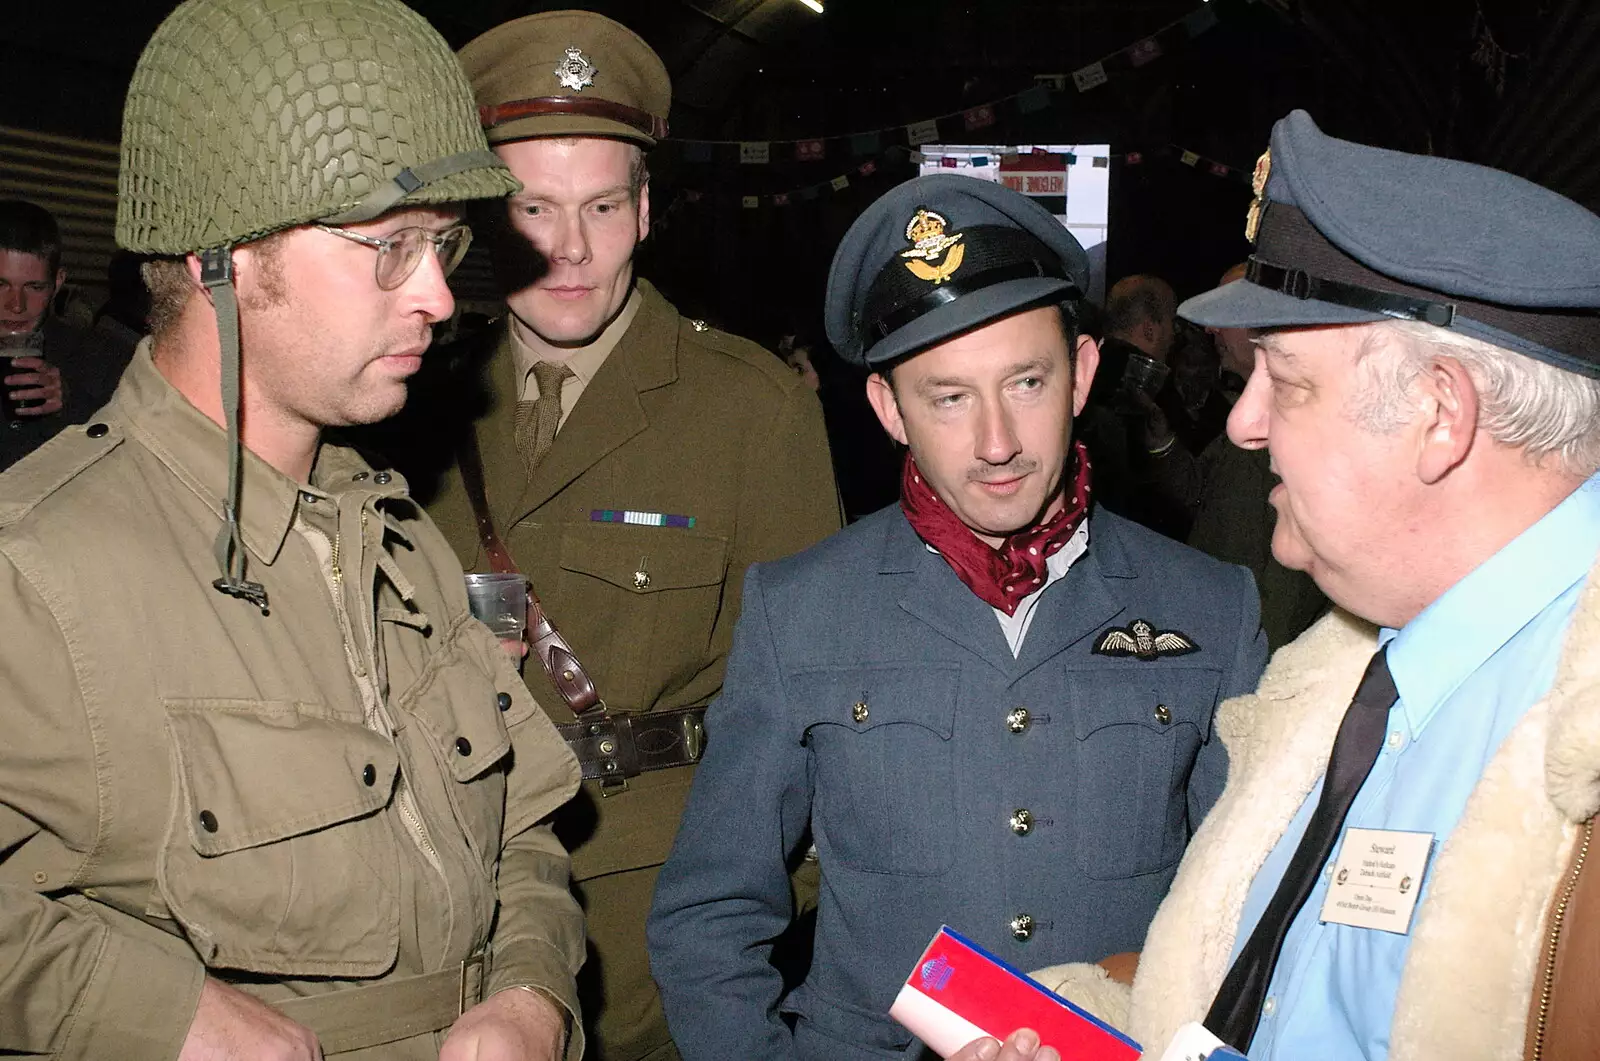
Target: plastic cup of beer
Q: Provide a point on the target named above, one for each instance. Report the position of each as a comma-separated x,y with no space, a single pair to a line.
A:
500,602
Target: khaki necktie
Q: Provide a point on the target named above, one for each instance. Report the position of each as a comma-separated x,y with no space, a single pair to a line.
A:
537,420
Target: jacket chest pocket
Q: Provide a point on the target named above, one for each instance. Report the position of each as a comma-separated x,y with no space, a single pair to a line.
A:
650,598
1137,735
883,766
278,858
462,716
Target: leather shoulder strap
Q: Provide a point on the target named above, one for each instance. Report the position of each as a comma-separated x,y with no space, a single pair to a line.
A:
562,665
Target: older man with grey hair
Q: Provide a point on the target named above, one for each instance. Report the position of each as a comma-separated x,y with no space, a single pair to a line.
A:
1402,875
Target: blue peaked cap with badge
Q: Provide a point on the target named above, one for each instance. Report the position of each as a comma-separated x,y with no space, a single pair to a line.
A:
941,255
1349,234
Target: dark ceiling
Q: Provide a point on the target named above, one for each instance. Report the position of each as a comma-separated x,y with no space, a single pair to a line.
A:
1507,80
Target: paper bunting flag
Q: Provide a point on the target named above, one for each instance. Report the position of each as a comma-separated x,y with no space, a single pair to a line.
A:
1189,158
867,168
978,117
1034,99
1199,20
1145,51
755,152
751,202
810,150
840,183
919,133
1091,76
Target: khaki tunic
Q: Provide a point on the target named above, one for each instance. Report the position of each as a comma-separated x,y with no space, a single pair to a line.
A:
348,788
685,420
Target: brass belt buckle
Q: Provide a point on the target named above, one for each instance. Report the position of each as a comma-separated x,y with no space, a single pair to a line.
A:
477,990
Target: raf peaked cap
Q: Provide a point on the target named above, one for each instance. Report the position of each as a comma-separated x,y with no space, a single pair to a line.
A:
941,255
1348,234
568,73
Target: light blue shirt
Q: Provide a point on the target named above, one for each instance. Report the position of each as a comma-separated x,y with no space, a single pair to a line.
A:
1467,668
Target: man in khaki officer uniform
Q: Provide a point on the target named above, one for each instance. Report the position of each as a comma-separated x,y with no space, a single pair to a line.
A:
300,809
635,463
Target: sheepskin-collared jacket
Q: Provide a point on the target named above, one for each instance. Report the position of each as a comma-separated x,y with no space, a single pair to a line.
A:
1474,963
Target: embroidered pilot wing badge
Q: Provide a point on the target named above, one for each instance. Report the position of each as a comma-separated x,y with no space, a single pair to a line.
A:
1142,640
925,232
575,71
1258,184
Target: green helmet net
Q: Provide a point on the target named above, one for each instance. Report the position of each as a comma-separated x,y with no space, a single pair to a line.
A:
246,117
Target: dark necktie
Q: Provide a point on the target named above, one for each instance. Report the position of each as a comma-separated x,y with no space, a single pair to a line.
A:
537,421
1237,1009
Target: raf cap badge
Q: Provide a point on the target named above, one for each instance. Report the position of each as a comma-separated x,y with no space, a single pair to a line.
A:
1258,184
925,232
575,71
1141,640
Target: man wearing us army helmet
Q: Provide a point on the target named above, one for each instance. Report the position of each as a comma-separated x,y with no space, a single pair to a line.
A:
269,790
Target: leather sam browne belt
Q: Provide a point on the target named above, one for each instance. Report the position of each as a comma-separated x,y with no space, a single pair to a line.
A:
358,1018
624,744
610,746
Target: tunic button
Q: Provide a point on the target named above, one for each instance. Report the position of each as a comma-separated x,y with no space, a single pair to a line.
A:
1022,821
208,821
503,701
308,497
641,579
463,746
359,477
1163,714
859,711
369,775
97,431
1022,928
382,478
1017,719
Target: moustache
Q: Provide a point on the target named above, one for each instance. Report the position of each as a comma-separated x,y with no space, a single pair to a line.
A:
1011,469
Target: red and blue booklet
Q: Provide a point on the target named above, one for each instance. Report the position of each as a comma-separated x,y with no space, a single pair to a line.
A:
959,992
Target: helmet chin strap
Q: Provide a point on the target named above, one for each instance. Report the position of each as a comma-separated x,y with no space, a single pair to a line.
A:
216,274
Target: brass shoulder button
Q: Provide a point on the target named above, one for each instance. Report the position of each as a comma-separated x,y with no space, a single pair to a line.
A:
699,326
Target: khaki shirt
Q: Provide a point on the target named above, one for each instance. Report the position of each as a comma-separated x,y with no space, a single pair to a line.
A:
348,787
584,361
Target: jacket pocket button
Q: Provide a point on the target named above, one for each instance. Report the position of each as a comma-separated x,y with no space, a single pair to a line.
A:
369,775
1163,714
208,821
463,746
503,701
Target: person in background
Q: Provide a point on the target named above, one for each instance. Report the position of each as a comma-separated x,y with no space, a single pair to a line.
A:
125,314
54,374
1233,513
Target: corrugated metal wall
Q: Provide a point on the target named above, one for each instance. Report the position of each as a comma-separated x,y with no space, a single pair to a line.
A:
76,180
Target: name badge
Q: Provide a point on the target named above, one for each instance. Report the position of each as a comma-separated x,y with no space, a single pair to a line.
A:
1377,878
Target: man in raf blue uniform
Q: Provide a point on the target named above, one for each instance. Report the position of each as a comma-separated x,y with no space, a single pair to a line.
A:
990,704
